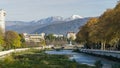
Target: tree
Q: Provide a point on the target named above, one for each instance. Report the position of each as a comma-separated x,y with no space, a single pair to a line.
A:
12,39
42,42
104,31
1,39
22,39
50,37
86,35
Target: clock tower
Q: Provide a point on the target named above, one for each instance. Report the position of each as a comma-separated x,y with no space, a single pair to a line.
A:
2,20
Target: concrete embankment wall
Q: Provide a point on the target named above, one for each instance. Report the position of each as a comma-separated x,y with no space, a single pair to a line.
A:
102,52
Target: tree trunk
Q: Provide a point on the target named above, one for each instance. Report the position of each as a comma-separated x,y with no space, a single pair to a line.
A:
102,46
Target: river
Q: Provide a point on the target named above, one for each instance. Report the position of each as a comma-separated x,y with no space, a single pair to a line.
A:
83,58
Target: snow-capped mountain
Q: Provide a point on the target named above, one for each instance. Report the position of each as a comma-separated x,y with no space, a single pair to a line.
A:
63,27
73,17
50,19
58,18
76,17
67,24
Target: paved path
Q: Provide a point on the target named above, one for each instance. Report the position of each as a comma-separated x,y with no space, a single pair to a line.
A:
3,53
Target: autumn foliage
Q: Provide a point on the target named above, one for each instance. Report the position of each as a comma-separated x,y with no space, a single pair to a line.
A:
102,32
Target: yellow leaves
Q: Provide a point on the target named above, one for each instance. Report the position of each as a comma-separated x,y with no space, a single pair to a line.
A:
92,21
12,39
9,59
43,43
16,43
102,28
1,40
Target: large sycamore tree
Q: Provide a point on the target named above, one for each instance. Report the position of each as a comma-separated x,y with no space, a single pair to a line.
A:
12,39
87,34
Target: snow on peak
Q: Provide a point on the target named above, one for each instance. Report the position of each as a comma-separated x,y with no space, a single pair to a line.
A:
76,16
73,17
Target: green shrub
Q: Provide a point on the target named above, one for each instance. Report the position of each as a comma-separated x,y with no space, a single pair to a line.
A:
9,59
1,48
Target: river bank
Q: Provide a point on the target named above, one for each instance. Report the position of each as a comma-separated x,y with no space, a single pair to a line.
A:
79,58
38,59
84,58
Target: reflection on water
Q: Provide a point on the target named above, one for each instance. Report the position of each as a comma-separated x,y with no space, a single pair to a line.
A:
83,58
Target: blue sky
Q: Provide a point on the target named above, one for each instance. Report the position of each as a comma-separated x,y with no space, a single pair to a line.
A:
27,10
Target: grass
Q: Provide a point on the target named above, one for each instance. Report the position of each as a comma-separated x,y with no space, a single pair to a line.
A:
38,59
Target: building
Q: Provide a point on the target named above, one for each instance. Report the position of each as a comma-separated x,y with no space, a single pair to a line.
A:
58,35
2,20
34,37
71,35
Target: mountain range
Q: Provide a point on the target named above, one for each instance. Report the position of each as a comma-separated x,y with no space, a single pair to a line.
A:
54,24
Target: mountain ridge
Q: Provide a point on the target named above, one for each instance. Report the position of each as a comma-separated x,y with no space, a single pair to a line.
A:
36,26
64,27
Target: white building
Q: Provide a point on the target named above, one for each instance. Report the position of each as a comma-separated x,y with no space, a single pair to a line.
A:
58,35
2,20
34,37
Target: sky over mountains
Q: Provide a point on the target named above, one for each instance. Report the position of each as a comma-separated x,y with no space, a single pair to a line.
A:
27,10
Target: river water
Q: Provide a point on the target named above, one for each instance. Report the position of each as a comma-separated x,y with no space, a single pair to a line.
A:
83,58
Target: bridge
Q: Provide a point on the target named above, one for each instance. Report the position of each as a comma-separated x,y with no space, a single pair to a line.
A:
67,47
